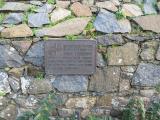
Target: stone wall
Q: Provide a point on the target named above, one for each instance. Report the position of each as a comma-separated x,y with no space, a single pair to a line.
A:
128,55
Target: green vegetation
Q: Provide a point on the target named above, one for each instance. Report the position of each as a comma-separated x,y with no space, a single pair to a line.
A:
2,3
2,93
32,9
71,37
120,15
135,109
2,16
92,117
47,105
51,1
40,76
157,87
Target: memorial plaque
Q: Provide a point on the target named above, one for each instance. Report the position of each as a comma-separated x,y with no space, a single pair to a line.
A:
70,57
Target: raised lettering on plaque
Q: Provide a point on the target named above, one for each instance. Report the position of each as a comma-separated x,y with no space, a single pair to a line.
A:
70,57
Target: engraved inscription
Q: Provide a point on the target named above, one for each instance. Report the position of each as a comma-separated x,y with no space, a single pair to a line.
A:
70,57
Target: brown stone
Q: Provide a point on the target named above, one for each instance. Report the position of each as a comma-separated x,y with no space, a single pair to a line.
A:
81,102
17,31
22,46
104,101
123,55
149,22
80,10
105,80
70,27
16,72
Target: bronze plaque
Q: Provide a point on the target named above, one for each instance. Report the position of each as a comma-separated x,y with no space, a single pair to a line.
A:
70,57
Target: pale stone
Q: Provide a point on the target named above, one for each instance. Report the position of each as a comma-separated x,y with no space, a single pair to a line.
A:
17,31
131,10
59,14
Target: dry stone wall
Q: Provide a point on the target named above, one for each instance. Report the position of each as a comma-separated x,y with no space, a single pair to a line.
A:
128,55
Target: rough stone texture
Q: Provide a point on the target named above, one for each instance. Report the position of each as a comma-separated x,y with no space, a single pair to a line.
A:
115,2
9,57
38,3
88,2
80,102
158,54
149,8
146,75
46,8
105,80
9,113
70,27
17,31
16,72
131,10
71,83
65,112
141,38
38,19
40,87
104,101
22,46
59,14
129,69
14,83
15,6
123,55
110,40
145,22
100,60
35,54
149,50
106,22
4,84
4,102
80,10
107,5
13,18
26,102
25,83
62,4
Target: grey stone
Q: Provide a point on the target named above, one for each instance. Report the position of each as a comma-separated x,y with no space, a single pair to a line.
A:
14,83
65,112
4,84
149,50
144,22
73,26
26,102
129,69
13,18
105,80
88,2
123,55
9,113
4,101
141,38
100,60
40,87
74,83
38,19
106,22
158,54
9,57
148,54
110,40
146,75
15,6
46,8
149,9
25,83
35,54
38,3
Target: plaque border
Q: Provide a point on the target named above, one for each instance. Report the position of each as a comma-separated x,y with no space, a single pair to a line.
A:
85,40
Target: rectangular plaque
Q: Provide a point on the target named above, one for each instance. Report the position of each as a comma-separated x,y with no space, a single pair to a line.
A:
70,57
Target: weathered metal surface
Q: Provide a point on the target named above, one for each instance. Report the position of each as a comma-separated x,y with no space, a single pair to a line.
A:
63,57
